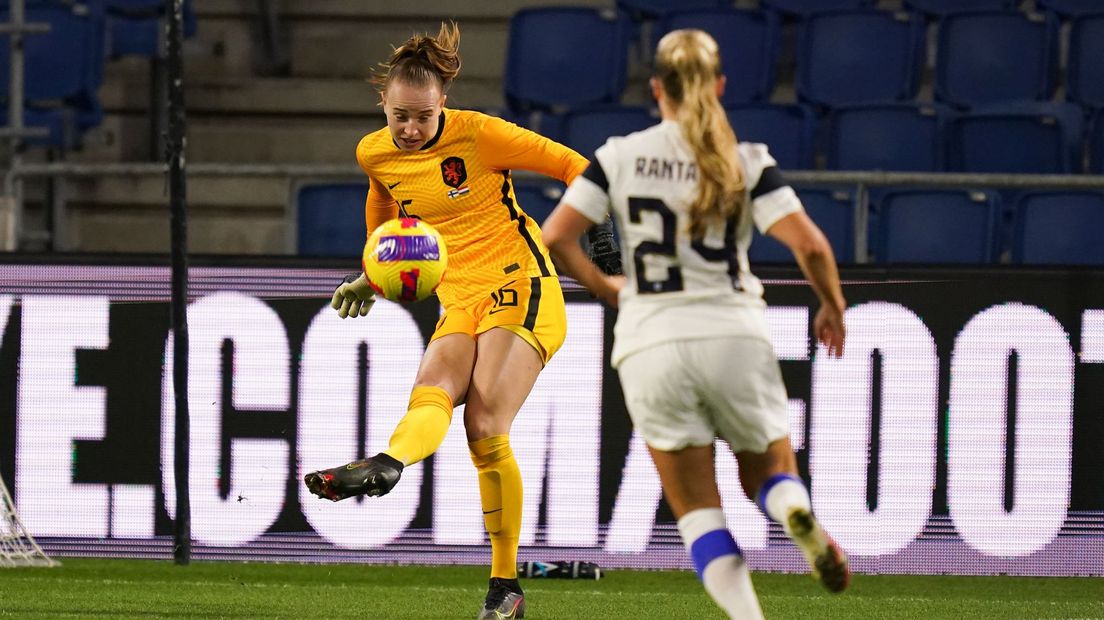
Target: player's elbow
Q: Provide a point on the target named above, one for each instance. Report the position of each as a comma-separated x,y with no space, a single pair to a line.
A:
811,247
554,238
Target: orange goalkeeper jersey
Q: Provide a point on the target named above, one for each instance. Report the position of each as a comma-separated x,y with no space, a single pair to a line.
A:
459,182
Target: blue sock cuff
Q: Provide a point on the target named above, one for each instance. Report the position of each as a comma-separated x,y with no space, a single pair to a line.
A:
710,546
761,498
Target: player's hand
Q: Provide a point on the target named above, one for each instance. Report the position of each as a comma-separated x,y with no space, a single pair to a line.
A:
602,248
354,297
612,290
829,329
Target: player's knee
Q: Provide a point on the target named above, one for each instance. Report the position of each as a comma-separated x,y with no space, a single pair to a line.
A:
479,426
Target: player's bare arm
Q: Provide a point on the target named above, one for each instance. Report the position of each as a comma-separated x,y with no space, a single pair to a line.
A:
814,255
560,233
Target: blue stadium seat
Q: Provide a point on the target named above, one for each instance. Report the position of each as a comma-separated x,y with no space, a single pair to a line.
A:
748,41
1059,228
938,226
848,57
63,69
833,210
586,129
652,9
788,130
1086,60
985,57
1027,137
538,198
893,136
1070,8
943,7
330,218
136,26
808,7
1096,144
565,58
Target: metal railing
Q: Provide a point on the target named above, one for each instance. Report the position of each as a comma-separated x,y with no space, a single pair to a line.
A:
298,175
15,131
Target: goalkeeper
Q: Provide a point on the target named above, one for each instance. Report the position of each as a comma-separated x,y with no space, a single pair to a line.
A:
504,315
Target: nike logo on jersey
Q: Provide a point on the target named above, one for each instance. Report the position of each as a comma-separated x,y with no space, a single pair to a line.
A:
487,512
393,185
496,311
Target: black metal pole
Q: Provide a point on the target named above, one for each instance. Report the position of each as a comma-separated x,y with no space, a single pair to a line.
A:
182,549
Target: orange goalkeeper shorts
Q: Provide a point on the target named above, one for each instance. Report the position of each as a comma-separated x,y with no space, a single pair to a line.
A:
532,308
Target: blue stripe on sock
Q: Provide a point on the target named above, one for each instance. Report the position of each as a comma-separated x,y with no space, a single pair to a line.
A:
710,546
761,498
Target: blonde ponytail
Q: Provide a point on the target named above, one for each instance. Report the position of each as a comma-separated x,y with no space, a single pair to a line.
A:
423,60
688,65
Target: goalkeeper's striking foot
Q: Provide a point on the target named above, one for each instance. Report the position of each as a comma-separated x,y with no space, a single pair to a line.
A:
825,557
504,600
373,476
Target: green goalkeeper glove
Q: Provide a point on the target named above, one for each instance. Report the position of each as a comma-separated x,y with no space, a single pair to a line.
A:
354,297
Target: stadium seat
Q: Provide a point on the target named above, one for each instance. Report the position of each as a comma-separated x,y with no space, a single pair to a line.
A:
1027,137
1085,79
1070,8
330,219
937,226
136,25
833,210
652,9
788,130
985,57
1096,144
538,198
943,7
808,7
748,41
1059,228
894,136
63,69
587,129
848,57
565,58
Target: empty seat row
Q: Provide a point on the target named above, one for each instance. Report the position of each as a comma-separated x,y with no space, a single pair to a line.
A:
843,57
1019,137
924,226
64,67
907,225
659,8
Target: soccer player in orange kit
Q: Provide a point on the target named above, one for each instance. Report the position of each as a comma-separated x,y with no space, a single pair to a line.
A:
504,314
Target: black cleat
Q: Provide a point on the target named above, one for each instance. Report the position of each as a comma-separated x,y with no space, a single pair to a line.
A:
373,476
504,600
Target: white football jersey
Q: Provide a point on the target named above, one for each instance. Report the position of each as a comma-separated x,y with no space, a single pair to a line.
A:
678,288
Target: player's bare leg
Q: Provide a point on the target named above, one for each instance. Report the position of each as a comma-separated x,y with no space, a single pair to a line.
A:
771,480
505,370
689,484
441,381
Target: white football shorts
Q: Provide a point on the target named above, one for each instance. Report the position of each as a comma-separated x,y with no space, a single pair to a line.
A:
687,392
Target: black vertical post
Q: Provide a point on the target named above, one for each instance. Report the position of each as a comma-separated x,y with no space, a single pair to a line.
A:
182,549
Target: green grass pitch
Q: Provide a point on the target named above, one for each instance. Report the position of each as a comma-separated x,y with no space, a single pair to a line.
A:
87,588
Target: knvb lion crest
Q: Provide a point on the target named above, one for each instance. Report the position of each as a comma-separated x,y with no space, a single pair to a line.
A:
453,172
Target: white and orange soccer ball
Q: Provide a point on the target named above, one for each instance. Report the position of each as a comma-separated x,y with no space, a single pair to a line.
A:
404,260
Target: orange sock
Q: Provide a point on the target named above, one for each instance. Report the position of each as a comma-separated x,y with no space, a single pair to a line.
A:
500,494
423,428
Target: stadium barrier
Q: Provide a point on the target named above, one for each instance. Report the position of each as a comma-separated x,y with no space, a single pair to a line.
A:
298,174
959,434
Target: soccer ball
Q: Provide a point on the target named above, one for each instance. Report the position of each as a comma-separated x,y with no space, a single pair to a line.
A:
404,260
